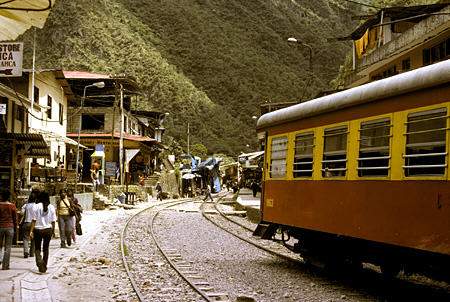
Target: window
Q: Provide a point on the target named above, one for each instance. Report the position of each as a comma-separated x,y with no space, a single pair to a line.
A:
36,95
278,151
425,152
20,113
406,64
49,109
61,114
374,143
93,121
303,157
439,52
4,117
334,163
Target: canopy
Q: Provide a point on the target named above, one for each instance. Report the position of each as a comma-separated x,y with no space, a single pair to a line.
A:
188,176
19,15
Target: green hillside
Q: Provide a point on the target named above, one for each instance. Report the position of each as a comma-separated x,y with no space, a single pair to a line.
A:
208,62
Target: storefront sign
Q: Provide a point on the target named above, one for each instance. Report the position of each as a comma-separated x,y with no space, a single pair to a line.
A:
110,169
11,54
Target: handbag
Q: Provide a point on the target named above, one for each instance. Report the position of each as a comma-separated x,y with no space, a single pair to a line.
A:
22,219
78,229
71,211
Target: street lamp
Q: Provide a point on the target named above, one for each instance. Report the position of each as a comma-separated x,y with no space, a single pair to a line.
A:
98,85
295,41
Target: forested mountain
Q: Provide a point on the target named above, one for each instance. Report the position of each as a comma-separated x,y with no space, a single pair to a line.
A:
207,62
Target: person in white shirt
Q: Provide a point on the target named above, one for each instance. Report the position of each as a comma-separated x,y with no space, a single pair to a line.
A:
26,212
42,229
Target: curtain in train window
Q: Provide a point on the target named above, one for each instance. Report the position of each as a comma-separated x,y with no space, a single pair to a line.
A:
425,152
278,157
374,143
303,157
334,163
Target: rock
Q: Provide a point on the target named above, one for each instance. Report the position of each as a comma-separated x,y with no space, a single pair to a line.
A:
343,297
243,298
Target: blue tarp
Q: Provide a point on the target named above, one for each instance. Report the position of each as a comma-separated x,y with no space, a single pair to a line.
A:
209,164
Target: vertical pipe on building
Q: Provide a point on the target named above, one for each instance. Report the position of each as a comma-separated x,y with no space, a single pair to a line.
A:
111,157
121,136
30,121
381,28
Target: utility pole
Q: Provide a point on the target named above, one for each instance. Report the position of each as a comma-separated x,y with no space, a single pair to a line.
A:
188,139
121,136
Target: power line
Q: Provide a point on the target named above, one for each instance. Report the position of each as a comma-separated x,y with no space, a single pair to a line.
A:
362,4
30,112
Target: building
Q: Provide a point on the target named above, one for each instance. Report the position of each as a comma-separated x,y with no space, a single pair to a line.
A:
101,118
33,126
397,40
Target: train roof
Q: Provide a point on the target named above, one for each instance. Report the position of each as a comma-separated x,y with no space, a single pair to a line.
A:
424,77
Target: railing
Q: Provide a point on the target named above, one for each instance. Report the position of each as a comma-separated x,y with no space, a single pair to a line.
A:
48,174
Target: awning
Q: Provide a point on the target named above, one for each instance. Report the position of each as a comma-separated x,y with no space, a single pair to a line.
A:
130,153
19,15
51,136
188,176
98,153
33,144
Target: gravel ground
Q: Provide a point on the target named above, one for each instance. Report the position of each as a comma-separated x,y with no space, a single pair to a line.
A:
95,271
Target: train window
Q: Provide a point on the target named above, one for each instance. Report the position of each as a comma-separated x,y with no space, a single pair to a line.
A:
426,143
303,157
334,163
373,160
278,151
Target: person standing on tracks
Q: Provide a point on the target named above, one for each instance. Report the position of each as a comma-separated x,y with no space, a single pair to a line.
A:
255,188
208,193
159,191
42,229
8,225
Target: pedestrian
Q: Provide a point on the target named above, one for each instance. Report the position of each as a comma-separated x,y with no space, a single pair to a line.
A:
8,225
208,193
78,210
26,212
159,191
95,176
80,171
42,229
255,188
64,209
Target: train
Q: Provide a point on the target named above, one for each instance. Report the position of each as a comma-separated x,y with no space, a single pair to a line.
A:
362,175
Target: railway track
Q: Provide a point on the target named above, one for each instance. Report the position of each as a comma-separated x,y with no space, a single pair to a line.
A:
193,272
270,247
192,277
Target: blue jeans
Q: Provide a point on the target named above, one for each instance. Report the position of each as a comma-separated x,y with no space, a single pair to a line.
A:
8,234
28,243
65,228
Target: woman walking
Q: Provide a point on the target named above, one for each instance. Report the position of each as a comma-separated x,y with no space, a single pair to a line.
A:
42,229
78,210
26,212
63,210
8,225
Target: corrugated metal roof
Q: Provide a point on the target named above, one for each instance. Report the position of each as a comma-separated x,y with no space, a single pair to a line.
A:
84,75
411,81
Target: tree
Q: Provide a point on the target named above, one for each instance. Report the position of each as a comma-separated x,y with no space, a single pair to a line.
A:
199,150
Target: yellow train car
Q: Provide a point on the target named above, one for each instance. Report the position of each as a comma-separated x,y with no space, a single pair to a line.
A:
362,175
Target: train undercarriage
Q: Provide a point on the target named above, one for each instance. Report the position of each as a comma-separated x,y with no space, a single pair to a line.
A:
336,251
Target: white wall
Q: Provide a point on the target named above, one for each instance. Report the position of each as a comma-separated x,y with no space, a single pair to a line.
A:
49,86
